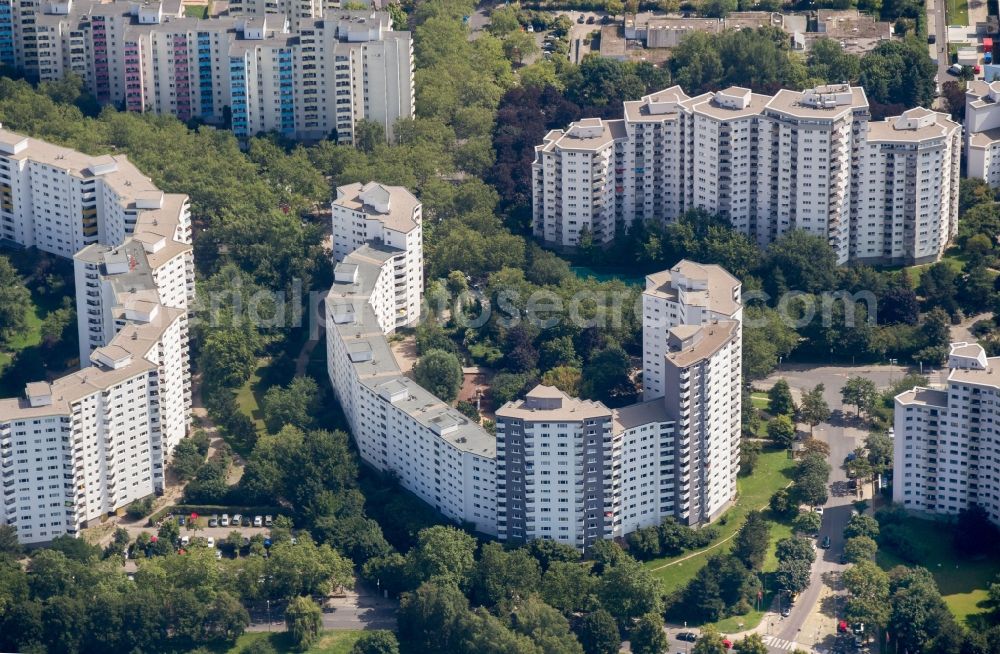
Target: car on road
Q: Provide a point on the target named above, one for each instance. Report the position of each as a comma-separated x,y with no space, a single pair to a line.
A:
687,636
826,543
258,521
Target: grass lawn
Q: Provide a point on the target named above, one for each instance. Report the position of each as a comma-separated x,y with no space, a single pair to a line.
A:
772,472
962,582
251,393
760,401
196,11
953,259
330,642
957,12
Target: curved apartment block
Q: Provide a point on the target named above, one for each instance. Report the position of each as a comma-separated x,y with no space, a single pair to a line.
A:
76,448
878,191
558,467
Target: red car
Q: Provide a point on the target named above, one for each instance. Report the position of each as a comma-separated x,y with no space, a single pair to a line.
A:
842,627
728,644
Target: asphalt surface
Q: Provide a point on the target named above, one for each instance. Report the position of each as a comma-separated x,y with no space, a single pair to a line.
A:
937,25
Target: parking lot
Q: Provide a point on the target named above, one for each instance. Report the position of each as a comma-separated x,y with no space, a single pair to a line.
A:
201,528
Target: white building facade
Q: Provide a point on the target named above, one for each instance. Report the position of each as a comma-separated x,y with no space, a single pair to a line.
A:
389,216
89,443
982,131
292,67
945,439
768,164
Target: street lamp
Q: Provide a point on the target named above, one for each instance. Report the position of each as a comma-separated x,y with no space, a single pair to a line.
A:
268,614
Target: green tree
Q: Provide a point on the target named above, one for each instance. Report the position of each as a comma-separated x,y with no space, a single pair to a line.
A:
14,301
303,619
376,642
814,408
440,373
782,504
546,627
861,525
860,548
430,617
751,644
500,575
629,590
780,396
368,135
598,632
565,378
793,575
444,552
868,594
807,522
295,404
750,544
606,378
860,392
718,8
503,20
569,587
709,642
647,636
795,548
781,430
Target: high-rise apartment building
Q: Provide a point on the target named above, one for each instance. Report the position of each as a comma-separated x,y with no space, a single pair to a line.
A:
945,439
559,467
768,164
982,131
389,216
576,471
291,67
89,443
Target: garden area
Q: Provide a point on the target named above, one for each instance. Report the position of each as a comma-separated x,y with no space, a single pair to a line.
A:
771,473
962,580
330,642
41,343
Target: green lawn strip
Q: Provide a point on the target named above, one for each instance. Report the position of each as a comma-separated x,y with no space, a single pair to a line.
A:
754,492
330,642
247,397
962,582
957,12
196,11
760,401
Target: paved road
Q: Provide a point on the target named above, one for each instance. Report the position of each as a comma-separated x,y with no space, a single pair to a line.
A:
357,610
937,25
806,625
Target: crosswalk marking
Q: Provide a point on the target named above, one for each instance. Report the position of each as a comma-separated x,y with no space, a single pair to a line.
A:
780,643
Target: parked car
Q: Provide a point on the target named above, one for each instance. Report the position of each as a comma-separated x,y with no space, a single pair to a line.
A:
818,509
185,541
224,521
210,541
591,20
181,520
237,519
826,543
531,29
258,521
687,636
268,521
932,38
786,611
218,554
213,521
580,18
